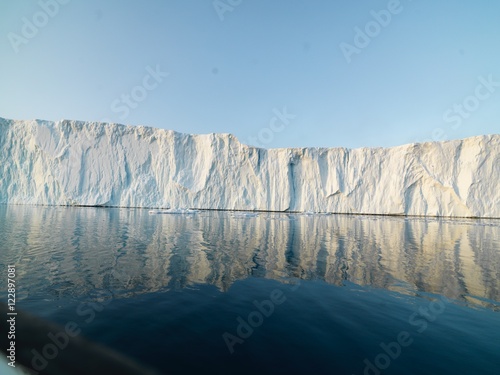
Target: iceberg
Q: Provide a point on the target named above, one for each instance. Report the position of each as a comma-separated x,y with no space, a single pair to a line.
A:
102,164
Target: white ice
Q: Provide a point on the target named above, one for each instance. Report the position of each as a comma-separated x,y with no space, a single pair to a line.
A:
97,164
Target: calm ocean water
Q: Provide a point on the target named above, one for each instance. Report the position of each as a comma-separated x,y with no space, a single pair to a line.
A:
226,293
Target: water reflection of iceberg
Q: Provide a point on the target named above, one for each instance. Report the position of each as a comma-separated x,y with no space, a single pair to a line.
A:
129,251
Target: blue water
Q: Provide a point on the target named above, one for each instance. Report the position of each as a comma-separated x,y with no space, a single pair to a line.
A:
220,293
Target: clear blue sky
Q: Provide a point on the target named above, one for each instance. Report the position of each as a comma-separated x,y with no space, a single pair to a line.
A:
229,70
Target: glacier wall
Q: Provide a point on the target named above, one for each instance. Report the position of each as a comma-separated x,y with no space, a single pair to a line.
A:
96,164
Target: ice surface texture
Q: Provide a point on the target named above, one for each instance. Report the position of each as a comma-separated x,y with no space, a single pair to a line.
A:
98,164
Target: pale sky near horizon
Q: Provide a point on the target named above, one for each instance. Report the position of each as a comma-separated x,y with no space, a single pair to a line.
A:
292,73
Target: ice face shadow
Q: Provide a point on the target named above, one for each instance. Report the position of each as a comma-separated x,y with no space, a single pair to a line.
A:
64,251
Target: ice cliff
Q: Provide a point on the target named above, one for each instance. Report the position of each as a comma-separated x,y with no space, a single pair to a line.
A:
96,164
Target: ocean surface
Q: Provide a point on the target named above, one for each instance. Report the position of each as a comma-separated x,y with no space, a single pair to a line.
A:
268,293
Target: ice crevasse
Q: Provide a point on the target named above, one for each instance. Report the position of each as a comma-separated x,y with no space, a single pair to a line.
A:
101,164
